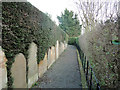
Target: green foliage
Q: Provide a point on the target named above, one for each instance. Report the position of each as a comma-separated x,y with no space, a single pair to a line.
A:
70,23
99,48
116,42
23,24
35,84
73,40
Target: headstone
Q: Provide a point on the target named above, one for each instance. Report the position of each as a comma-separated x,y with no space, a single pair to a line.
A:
60,48
43,66
3,70
53,54
63,47
32,65
19,71
65,44
49,59
57,50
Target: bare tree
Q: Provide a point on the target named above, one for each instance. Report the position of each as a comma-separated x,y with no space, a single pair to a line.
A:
92,12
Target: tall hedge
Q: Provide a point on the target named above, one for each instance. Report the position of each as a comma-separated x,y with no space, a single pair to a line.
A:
23,24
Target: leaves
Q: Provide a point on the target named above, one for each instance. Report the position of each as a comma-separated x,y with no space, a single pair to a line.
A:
23,24
70,23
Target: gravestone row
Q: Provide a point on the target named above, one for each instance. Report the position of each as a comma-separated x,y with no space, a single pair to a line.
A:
34,70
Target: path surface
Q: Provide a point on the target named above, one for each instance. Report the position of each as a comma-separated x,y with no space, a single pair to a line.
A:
64,73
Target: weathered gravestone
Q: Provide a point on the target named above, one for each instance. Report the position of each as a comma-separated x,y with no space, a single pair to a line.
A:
3,70
32,65
43,66
52,54
60,46
57,50
65,45
19,71
61,49
49,59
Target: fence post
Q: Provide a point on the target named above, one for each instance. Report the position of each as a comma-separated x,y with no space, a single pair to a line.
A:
87,71
80,53
84,63
91,80
82,59
98,86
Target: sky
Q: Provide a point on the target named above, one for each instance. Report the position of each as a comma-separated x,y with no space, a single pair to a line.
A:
54,7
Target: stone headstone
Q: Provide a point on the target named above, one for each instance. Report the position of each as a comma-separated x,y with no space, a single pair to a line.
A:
57,50
19,71
53,54
32,65
65,45
43,66
60,48
49,58
3,70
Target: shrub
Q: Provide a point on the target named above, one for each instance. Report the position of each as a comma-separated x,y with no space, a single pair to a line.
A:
103,55
72,40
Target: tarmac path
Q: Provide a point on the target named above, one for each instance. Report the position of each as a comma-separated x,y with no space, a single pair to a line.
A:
64,73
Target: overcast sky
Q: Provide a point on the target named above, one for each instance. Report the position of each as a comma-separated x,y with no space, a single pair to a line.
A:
54,7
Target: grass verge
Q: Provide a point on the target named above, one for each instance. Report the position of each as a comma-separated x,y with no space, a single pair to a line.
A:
83,79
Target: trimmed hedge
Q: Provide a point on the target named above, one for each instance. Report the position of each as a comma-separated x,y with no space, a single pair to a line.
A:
23,24
73,41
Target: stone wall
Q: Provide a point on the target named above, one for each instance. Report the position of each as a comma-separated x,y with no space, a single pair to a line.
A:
35,70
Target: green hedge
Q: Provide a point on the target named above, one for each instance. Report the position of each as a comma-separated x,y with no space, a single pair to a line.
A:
23,24
73,41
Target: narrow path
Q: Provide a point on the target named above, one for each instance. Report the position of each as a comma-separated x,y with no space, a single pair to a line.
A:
64,73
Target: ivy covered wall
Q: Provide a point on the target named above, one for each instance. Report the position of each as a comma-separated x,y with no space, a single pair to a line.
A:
23,24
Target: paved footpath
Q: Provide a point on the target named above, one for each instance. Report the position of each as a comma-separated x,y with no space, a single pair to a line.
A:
64,73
